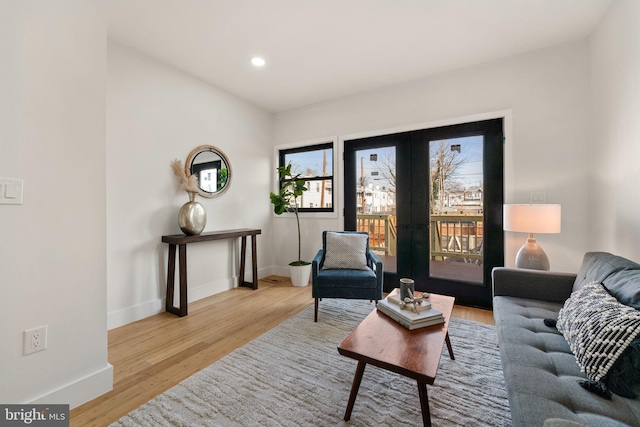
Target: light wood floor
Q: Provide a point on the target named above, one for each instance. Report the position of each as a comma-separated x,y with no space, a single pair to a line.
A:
154,354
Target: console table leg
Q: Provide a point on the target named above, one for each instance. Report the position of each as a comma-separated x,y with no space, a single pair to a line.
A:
424,404
254,261
243,264
171,272
183,279
357,379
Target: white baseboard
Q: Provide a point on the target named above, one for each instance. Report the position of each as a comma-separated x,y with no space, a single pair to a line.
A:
82,390
280,271
122,317
118,318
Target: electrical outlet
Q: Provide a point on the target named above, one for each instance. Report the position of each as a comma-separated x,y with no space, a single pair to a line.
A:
35,340
538,197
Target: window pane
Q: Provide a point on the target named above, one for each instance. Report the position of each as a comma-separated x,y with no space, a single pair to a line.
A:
376,201
314,164
456,209
376,185
318,194
311,163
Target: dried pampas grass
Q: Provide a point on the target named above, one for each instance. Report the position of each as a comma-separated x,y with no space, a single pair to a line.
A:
189,183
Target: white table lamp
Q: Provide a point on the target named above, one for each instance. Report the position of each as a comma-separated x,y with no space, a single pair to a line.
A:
537,218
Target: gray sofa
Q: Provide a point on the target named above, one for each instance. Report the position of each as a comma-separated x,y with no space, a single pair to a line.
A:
540,371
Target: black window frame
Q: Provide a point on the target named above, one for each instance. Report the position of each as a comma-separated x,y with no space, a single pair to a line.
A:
308,148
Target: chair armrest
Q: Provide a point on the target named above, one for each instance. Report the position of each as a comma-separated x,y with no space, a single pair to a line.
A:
316,263
373,261
532,284
376,265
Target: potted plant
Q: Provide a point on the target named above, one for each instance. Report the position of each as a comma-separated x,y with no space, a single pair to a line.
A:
286,200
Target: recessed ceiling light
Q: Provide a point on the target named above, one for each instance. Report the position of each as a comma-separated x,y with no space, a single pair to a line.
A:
257,61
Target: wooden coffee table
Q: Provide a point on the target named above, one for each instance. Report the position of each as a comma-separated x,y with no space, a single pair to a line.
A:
382,342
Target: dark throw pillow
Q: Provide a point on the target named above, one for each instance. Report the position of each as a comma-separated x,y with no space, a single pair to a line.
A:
601,333
625,373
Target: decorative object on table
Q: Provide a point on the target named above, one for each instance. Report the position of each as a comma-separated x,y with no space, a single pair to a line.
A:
536,218
192,216
291,187
406,286
416,302
331,277
410,319
211,169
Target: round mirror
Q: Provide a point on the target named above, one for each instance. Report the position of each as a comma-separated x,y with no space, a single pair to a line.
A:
211,168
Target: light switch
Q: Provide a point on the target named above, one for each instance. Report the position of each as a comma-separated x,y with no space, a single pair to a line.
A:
11,191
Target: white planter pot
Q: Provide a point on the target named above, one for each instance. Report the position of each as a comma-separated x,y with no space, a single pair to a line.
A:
300,274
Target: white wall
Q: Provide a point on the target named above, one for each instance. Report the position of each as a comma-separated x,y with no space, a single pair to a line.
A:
52,256
155,114
615,67
547,149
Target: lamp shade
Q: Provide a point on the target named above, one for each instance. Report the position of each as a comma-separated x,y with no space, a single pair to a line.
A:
536,218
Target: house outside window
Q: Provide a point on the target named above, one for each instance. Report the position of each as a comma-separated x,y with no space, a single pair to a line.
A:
314,163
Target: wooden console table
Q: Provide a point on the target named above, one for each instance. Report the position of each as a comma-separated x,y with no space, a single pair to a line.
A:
182,240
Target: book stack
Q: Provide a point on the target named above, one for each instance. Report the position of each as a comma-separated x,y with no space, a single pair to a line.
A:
408,317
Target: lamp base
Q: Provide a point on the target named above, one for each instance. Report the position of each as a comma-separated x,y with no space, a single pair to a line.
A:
532,256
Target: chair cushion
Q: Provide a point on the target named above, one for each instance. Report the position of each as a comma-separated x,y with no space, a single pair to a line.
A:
343,283
345,251
348,277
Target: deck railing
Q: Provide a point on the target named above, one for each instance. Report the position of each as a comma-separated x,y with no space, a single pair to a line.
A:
453,236
382,232
457,236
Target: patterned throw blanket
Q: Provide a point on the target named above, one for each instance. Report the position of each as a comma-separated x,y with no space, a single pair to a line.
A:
598,329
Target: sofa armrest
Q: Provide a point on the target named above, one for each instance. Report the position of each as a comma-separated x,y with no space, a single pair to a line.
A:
532,284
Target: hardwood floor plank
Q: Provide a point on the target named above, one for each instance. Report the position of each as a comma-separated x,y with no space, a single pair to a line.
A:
154,354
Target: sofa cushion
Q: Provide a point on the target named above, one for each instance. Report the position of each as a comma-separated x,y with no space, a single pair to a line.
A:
598,266
541,373
346,251
598,329
625,286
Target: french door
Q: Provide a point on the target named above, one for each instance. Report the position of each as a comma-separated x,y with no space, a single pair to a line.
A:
431,201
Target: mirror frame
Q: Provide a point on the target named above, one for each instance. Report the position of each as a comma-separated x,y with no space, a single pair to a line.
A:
225,159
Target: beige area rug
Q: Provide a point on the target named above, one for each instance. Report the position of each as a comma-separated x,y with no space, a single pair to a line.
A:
294,376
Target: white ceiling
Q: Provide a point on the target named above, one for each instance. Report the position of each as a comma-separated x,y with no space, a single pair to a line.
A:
318,50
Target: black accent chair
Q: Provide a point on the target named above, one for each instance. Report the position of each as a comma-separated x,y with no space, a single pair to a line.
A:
364,281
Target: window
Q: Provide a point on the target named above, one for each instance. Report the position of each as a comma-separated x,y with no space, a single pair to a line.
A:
314,163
